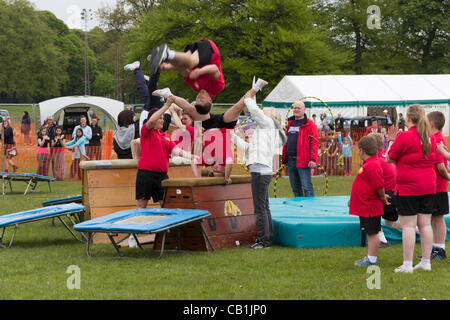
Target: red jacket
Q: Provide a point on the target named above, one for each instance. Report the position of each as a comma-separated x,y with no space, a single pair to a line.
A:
307,144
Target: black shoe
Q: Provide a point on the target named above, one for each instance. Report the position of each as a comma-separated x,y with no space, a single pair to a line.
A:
257,245
384,244
438,254
159,54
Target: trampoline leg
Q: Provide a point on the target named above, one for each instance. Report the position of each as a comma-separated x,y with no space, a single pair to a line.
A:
88,243
207,238
74,223
13,235
67,227
49,187
10,185
162,245
1,238
3,187
110,236
137,241
28,186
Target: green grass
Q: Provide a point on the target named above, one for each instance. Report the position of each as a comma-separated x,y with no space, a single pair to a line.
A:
35,267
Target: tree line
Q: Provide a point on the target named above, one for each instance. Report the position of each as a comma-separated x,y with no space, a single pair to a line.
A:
43,58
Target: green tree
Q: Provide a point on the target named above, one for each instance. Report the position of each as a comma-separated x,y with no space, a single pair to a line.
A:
268,39
33,67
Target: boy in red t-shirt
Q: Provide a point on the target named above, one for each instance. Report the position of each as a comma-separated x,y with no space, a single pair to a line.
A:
367,197
441,207
199,65
390,215
153,164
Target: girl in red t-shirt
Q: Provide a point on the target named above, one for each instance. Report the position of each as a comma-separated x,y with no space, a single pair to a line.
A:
413,151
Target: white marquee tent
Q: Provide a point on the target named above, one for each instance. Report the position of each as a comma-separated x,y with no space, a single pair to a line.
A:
111,107
354,95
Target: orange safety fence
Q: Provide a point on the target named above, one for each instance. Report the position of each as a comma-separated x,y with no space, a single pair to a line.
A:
60,163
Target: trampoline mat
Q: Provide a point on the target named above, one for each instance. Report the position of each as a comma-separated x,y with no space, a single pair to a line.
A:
141,219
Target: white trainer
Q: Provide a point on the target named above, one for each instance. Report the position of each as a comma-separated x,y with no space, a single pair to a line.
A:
404,269
132,242
259,85
165,93
132,66
423,266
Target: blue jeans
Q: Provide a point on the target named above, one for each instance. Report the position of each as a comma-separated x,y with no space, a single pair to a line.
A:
300,179
145,91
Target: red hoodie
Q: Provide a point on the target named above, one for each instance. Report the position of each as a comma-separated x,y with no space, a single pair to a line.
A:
307,144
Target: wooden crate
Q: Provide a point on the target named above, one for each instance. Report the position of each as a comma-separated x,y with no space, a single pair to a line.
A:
232,221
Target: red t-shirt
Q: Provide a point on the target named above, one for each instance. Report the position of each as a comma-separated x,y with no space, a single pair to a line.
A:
156,147
206,81
389,172
217,147
441,182
183,139
364,200
415,173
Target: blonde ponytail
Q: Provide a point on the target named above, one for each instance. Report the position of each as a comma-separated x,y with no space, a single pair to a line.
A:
417,115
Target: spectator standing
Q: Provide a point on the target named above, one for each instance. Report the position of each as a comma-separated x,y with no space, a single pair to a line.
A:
25,128
9,146
95,145
87,133
374,127
43,152
301,151
57,154
127,132
401,121
78,144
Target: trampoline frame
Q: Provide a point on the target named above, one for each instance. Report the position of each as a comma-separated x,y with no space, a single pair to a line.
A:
114,233
56,215
29,178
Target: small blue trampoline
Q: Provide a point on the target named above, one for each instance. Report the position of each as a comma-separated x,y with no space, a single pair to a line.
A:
72,211
141,221
74,199
31,179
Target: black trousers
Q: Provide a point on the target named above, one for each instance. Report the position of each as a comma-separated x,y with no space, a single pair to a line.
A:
263,217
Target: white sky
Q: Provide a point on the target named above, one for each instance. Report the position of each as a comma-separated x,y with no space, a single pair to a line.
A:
70,10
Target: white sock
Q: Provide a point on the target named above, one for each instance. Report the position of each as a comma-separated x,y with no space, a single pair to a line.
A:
170,54
372,259
407,263
382,237
439,245
425,261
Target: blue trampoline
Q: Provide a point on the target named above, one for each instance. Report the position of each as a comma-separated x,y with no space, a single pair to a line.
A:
30,179
74,199
141,221
71,211
322,222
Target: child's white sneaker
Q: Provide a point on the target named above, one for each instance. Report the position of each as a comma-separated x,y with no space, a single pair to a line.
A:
423,266
132,66
165,93
404,269
260,83
132,243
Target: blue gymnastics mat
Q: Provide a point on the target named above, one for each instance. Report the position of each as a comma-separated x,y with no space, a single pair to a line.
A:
76,199
321,222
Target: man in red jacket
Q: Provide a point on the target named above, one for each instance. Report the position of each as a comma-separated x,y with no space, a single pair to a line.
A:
301,151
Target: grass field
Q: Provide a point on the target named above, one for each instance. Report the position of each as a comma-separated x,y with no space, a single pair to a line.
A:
35,267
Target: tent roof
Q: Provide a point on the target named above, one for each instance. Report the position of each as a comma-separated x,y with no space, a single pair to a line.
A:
109,106
355,90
